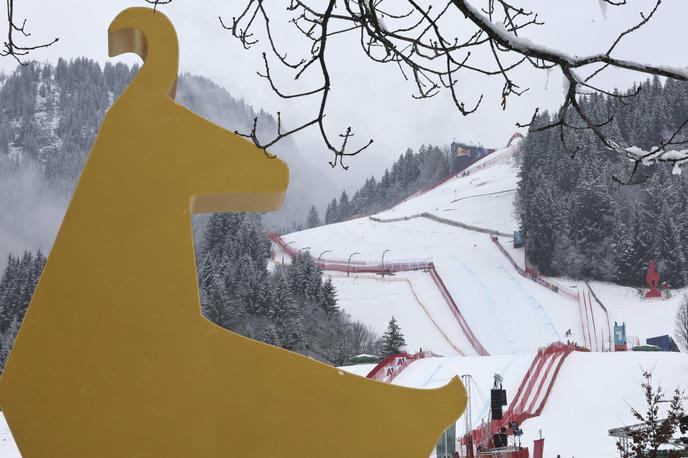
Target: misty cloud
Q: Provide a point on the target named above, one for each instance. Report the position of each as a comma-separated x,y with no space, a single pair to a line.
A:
30,213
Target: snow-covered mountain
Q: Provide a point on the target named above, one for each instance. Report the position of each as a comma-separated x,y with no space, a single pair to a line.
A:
50,117
444,264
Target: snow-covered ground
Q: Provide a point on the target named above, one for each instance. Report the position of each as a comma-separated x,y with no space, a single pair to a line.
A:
507,313
8,449
510,315
374,300
592,394
484,198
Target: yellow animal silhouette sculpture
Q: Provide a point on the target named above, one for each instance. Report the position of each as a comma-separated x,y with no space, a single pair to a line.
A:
114,358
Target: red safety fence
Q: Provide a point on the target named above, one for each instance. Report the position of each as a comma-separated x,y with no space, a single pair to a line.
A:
441,182
535,276
472,339
387,369
426,266
530,399
353,266
587,317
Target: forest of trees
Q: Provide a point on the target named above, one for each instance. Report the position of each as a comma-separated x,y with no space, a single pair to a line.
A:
410,173
50,117
291,307
582,223
17,285
51,114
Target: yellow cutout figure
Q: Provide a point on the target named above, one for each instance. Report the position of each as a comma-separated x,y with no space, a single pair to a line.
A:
114,358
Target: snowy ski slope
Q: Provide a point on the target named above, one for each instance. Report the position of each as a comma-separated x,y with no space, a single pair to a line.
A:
373,300
511,315
507,313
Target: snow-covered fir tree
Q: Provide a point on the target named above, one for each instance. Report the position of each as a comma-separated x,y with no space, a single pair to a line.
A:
312,220
393,341
331,214
328,297
17,285
291,307
578,221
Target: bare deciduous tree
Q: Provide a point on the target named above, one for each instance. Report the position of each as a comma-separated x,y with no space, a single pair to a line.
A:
11,47
432,44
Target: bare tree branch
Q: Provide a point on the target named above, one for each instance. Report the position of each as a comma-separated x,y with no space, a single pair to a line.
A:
431,55
155,3
10,47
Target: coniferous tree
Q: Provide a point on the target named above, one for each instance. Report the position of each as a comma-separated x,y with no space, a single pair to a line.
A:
393,341
313,220
291,307
328,298
17,285
344,207
332,213
681,331
578,221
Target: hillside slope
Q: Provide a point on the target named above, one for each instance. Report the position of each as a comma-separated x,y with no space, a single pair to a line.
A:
507,312
511,315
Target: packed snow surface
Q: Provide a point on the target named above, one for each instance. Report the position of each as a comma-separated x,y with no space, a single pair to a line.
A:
507,312
511,316
592,393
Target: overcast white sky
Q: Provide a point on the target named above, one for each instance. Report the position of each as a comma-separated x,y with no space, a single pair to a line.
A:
373,98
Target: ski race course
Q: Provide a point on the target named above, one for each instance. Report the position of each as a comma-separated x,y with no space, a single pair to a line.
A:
458,288
468,306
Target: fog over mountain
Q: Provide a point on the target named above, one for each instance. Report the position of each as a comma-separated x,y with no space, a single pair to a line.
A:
51,115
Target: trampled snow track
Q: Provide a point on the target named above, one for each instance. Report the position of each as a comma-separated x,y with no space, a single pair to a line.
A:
592,339
387,268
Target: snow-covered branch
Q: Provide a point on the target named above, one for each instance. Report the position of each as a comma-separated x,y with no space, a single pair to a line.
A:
416,37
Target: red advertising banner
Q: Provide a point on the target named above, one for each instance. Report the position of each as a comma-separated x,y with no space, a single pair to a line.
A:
538,448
